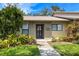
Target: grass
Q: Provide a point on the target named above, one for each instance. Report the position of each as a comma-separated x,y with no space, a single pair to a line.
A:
68,49
24,50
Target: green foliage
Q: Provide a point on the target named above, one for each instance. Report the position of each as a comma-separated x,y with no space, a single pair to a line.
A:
31,40
68,49
44,12
25,50
7,43
22,39
76,40
58,39
77,37
55,8
72,29
14,40
65,39
11,19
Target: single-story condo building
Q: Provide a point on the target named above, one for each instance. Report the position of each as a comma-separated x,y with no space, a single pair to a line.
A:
47,27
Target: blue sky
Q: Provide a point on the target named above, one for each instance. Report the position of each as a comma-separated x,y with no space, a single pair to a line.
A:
36,7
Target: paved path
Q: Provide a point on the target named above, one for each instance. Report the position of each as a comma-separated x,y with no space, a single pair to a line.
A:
46,49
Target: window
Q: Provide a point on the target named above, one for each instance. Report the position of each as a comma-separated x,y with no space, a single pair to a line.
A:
57,27
60,27
25,29
54,27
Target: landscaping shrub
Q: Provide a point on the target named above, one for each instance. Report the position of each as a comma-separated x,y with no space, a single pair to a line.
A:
71,39
14,40
11,36
1,43
59,39
77,37
68,39
1,36
7,43
26,39
76,40
55,39
22,39
31,40
65,39
4,44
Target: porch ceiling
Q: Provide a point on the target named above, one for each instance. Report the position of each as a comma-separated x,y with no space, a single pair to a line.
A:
43,18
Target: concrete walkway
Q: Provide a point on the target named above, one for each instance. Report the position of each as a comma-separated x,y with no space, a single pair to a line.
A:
46,49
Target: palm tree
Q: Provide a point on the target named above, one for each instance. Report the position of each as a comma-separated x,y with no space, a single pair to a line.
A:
57,9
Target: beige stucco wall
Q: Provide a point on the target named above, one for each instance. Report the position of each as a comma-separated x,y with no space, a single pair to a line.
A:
60,33
48,33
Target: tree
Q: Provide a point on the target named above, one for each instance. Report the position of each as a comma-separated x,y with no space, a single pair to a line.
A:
11,20
43,12
57,9
72,29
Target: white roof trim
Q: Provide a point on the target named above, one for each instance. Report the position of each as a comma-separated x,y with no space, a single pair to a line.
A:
43,18
68,16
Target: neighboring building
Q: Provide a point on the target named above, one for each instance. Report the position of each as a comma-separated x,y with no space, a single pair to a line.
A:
48,27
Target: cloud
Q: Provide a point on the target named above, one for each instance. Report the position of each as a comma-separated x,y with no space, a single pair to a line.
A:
27,8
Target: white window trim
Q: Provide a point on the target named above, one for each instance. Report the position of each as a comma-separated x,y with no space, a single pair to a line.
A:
57,27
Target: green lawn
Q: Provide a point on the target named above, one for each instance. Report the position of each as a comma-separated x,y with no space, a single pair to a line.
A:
24,50
68,49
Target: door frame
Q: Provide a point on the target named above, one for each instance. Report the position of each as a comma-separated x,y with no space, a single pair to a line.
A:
42,31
